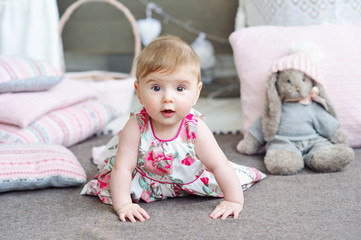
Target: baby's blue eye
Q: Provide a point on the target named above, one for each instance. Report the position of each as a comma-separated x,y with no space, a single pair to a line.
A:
180,89
303,79
289,81
156,88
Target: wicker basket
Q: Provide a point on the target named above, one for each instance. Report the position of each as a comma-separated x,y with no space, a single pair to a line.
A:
114,88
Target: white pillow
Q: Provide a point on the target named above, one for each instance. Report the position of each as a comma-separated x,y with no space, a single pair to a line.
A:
292,13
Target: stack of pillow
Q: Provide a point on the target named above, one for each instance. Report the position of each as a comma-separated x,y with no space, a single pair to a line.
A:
40,114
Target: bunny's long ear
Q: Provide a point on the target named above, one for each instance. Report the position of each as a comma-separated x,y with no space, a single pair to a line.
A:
272,111
323,94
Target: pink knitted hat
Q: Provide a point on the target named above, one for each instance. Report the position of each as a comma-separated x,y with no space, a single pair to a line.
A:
302,62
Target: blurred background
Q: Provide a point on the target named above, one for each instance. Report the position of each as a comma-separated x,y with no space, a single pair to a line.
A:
99,36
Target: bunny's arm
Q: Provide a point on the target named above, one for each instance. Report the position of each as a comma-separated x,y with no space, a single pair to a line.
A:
253,140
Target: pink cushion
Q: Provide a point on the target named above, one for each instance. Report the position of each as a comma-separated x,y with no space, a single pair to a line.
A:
256,48
19,74
32,166
65,126
23,108
114,89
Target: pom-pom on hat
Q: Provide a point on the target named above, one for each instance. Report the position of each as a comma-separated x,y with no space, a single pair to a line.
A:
304,58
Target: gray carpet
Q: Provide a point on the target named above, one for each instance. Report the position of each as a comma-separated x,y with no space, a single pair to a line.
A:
308,205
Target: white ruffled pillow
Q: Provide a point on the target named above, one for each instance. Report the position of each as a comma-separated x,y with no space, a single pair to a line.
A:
295,13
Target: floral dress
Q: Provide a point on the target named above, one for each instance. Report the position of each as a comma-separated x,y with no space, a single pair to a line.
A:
165,168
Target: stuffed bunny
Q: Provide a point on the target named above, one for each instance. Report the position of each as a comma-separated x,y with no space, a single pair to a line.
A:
298,124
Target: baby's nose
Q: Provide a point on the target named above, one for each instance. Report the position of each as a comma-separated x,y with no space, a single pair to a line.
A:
167,97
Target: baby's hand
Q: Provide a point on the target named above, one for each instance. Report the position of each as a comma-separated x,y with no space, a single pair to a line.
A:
226,208
132,211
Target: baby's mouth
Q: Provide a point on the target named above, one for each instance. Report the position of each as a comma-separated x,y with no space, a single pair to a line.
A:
167,112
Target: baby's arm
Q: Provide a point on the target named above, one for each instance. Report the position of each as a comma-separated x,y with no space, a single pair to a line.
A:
121,175
213,158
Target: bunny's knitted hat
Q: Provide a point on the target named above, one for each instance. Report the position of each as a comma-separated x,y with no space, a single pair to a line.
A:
302,60
305,62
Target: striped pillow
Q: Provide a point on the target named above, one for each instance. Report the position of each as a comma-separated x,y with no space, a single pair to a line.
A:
23,108
18,74
65,126
34,166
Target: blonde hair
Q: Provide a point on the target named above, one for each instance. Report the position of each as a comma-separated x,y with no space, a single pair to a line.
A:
166,54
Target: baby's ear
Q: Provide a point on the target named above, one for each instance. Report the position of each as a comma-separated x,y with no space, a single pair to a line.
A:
199,89
200,85
137,91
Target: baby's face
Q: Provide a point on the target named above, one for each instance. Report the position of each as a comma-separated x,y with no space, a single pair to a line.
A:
168,97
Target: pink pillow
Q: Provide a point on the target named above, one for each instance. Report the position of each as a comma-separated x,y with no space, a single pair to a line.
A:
256,48
65,126
33,166
18,74
23,108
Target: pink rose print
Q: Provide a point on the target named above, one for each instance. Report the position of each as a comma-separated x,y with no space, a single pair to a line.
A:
103,185
190,128
177,190
191,134
188,190
104,177
187,161
146,196
205,180
158,163
189,116
103,181
191,131
144,120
